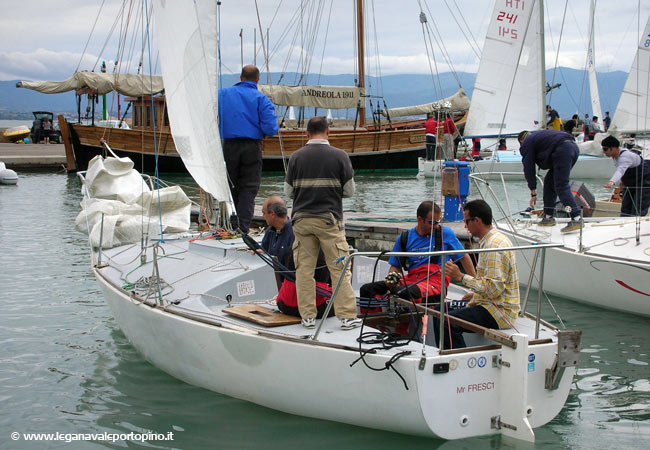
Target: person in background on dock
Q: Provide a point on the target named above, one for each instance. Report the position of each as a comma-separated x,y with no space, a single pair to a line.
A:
634,174
607,121
430,129
245,117
36,131
569,125
557,152
494,301
278,241
554,121
46,130
318,177
423,278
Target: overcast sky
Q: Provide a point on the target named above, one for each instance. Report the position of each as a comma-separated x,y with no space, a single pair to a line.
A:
45,40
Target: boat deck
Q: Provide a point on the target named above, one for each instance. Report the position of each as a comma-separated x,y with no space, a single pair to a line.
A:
242,278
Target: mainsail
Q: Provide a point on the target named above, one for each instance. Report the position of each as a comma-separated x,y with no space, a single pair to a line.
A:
507,95
187,39
591,67
99,83
633,111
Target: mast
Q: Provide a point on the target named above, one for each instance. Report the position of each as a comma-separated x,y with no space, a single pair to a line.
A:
593,78
360,57
540,5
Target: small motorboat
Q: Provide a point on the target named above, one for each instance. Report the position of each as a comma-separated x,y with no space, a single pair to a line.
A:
18,133
7,176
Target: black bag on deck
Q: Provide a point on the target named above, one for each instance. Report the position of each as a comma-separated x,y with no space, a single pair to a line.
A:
583,197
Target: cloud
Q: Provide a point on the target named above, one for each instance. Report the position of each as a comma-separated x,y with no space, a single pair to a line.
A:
48,40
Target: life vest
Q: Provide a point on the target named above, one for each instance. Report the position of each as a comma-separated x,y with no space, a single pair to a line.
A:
637,176
429,285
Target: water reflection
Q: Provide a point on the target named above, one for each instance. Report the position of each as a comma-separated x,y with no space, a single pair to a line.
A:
65,367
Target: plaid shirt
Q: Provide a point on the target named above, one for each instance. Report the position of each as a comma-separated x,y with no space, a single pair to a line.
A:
496,287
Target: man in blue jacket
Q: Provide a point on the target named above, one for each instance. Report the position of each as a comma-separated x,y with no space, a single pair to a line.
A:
557,152
245,117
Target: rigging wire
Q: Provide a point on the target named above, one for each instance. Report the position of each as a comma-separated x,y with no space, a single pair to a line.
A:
476,48
441,45
90,35
557,53
378,73
153,119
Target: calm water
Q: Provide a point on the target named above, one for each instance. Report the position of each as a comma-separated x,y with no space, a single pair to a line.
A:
65,366
14,123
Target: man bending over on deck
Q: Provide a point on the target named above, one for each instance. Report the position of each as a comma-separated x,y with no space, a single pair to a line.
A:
423,278
494,302
557,152
634,174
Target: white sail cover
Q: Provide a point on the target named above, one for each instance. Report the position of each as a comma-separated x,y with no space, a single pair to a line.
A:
100,83
591,67
457,102
633,111
335,97
507,95
116,199
187,42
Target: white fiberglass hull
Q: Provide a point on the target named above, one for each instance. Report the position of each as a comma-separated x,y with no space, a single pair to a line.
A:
510,167
611,272
281,369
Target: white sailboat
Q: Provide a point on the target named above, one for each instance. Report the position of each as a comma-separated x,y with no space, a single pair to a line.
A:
509,92
180,300
633,110
591,65
605,264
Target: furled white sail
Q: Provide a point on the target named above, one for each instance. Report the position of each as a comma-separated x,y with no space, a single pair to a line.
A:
99,83
633,111
591,67
335,97
187,41
507,95
456,102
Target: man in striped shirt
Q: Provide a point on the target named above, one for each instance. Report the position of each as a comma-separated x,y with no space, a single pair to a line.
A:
318,177
494,301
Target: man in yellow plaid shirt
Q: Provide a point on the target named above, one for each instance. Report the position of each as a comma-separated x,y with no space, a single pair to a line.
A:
494,301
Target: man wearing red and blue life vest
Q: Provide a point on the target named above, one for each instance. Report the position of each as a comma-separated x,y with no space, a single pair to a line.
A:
245,117
423,277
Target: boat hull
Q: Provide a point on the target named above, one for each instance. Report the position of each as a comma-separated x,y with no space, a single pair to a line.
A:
585,167
253,366
614,281
371,151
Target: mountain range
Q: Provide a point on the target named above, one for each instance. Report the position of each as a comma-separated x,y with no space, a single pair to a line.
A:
398,90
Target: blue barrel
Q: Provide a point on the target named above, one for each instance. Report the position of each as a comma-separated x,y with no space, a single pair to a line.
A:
454,203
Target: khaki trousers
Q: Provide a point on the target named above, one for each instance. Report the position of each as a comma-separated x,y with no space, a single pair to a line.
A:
312,234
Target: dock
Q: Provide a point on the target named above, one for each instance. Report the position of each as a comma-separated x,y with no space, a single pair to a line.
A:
32,156
368,232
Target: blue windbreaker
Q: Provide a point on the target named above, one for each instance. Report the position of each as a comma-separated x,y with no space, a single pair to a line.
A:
245,112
